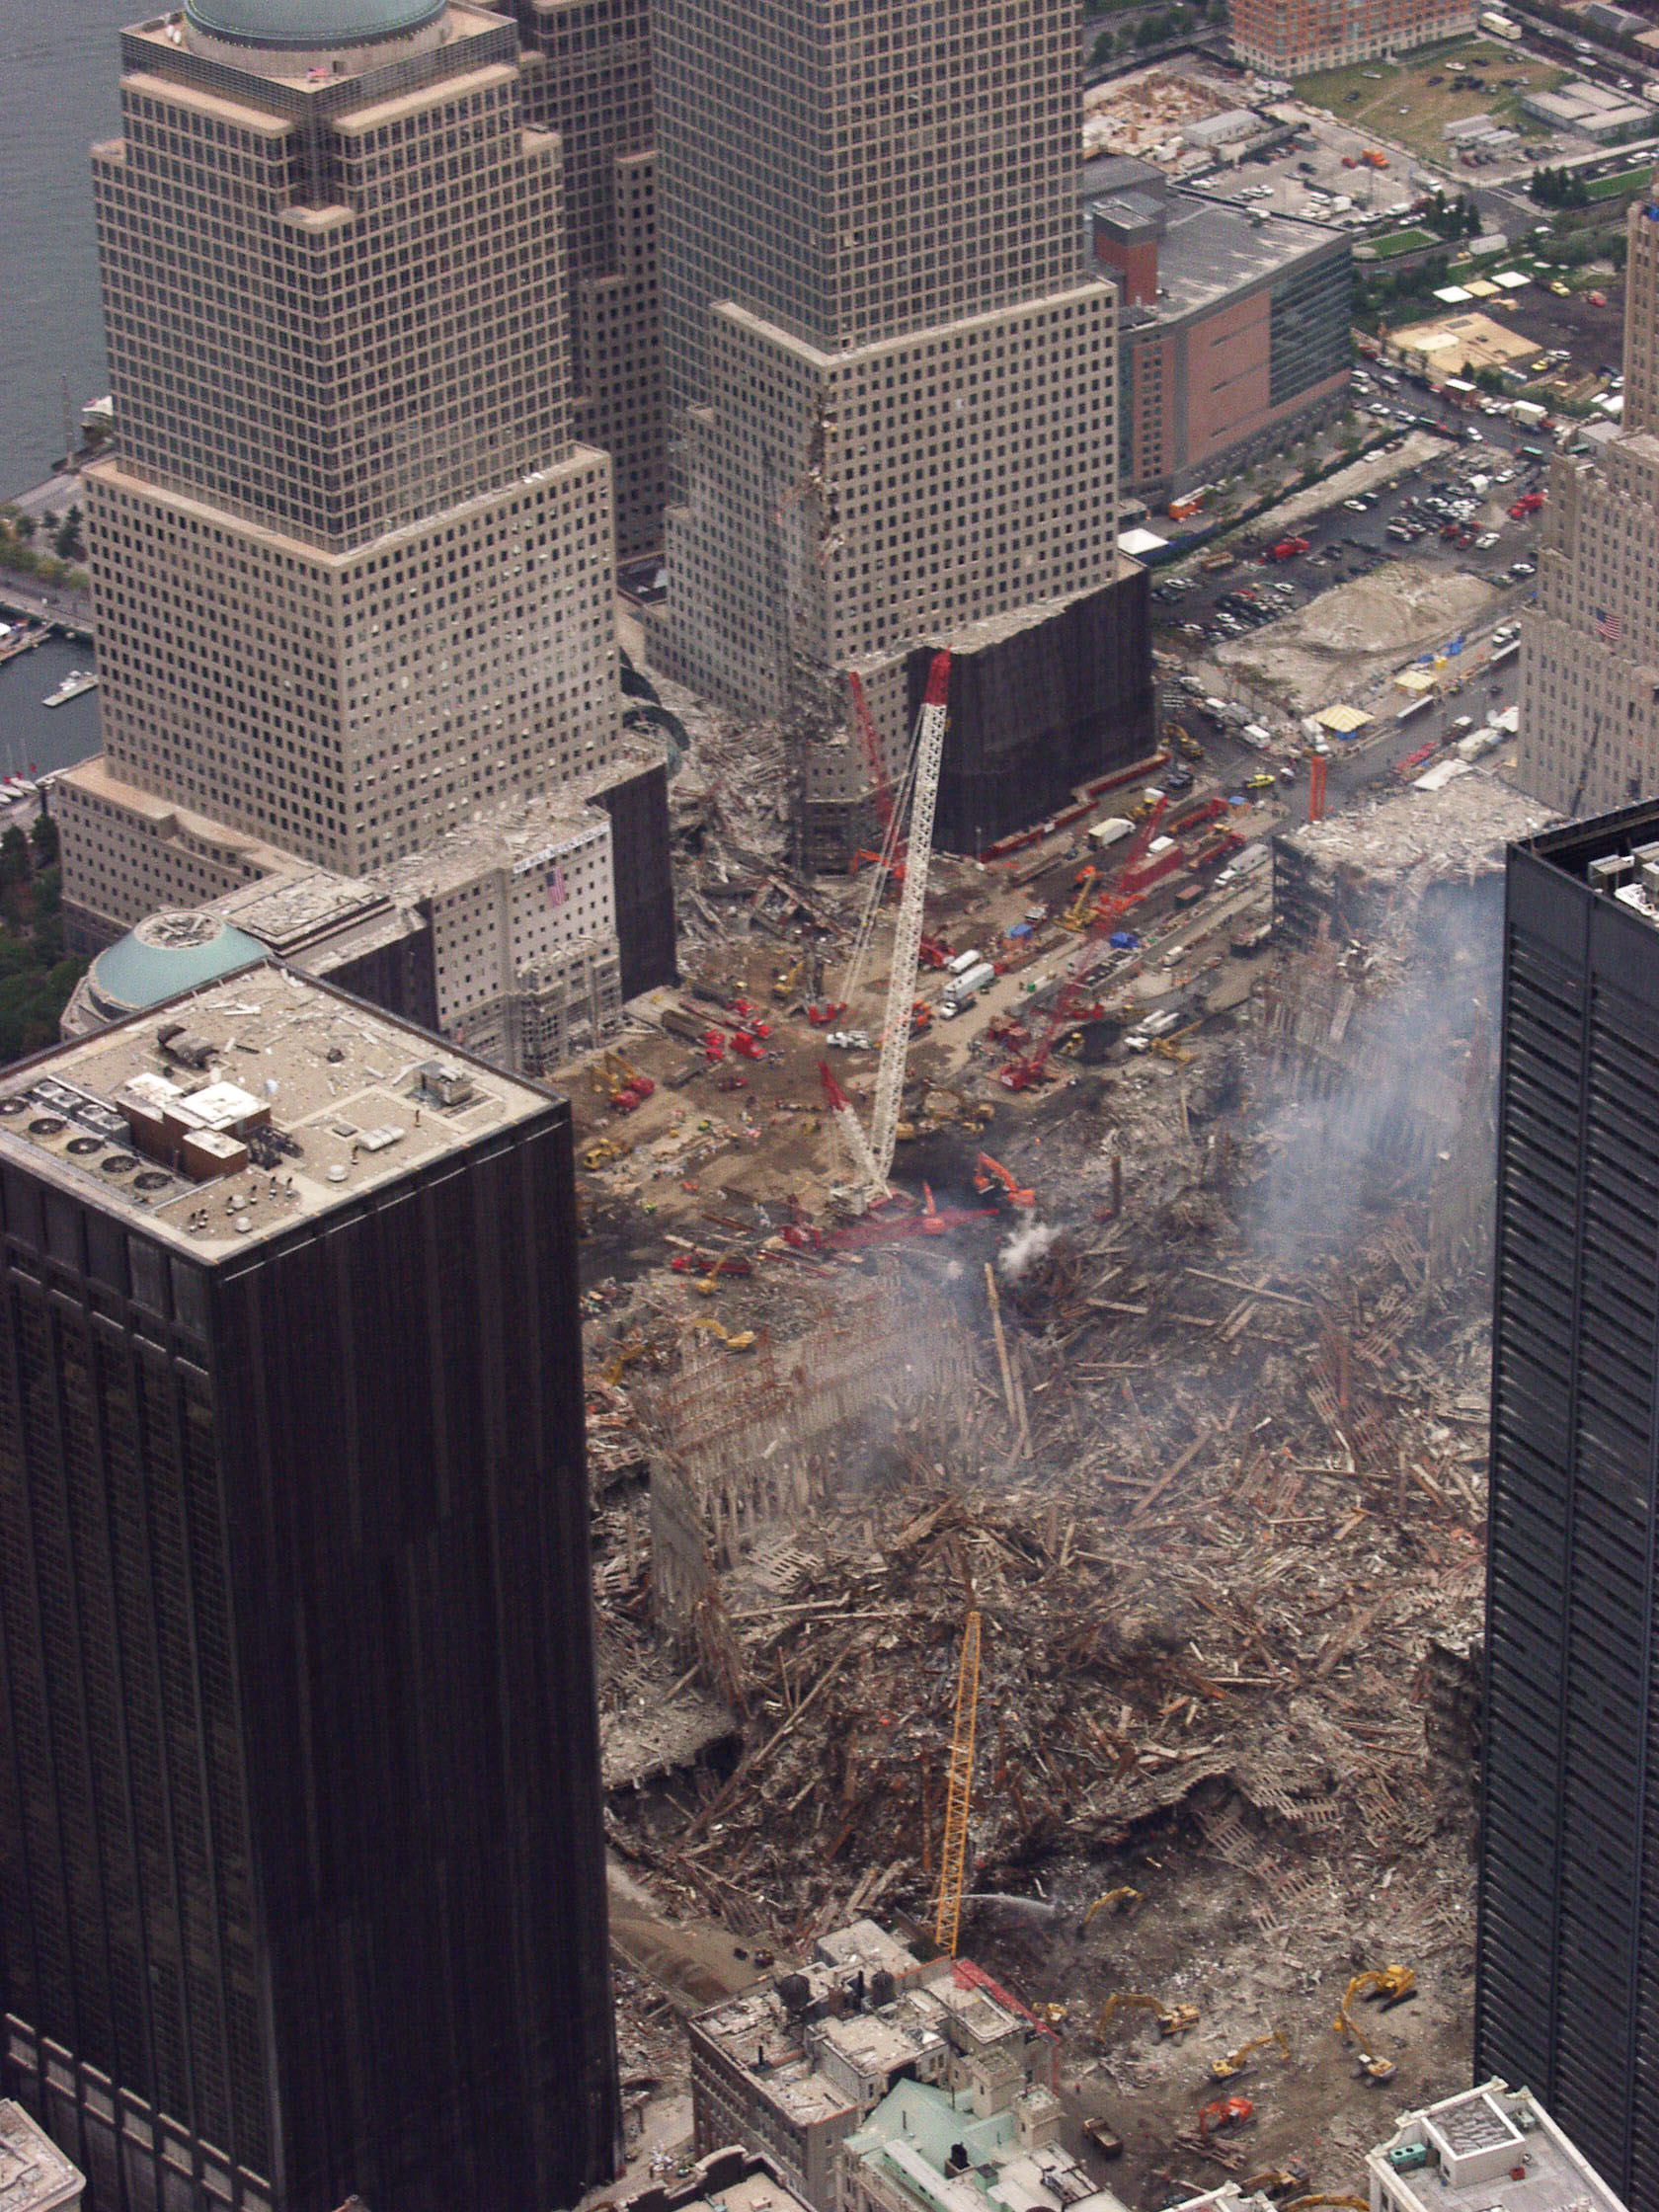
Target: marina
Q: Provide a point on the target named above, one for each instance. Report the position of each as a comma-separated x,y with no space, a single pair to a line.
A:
34,738
75,685
17,638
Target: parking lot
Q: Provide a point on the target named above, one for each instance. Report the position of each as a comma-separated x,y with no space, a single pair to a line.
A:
1465,567
1209,604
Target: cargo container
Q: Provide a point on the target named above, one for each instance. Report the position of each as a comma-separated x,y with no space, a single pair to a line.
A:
1111,831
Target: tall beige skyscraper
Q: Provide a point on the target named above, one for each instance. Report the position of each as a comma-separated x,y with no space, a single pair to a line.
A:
890,383
1589,738
587,68
352,573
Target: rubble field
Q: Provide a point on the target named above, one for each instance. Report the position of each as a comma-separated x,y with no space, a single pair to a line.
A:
1358,632
1191,1408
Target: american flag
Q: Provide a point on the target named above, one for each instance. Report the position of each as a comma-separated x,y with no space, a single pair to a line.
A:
556,893
1609,627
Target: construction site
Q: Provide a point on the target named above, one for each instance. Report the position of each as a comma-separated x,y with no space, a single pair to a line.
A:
1038,1425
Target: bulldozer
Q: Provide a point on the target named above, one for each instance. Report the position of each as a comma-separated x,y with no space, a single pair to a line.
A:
1123,1899
1225,2112
623,1357
1275,2181
1230,2067
604,1150
1173,2021
1392,1985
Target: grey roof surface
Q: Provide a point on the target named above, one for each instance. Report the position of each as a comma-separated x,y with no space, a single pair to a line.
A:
1210,250
34,2175
1107,174
329,1095
310,25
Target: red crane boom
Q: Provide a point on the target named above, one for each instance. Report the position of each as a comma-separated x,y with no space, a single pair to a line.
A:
1020,1074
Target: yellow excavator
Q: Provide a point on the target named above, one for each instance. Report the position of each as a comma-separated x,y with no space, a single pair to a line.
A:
1228,2067
1173,2021
1319,2196
741,1341
604,1150
1275,2181
623,1357
1123,1899
1391,1985
1072,918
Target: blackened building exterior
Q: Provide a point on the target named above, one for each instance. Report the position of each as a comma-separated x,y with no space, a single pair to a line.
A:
1567,1988
301,1875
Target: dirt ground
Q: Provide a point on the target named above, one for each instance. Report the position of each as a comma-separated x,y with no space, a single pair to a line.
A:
1595,334
1358,633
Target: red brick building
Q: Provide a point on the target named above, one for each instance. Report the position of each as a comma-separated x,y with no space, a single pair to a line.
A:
1290,37
1233,329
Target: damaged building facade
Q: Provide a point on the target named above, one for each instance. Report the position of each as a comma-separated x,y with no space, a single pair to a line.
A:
502,936
747,1445
890,378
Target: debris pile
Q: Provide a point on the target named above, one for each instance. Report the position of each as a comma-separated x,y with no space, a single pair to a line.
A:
1207,1457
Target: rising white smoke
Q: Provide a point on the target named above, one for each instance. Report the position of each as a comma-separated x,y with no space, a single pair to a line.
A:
1024,1250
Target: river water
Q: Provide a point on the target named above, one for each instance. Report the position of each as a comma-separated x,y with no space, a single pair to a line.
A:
34,734
59,91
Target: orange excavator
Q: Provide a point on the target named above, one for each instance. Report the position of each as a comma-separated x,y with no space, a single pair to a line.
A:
990,1172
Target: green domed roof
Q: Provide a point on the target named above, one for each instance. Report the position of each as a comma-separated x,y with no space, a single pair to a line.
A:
165,955
311,26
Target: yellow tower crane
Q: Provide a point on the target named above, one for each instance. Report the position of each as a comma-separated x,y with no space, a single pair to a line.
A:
953,1856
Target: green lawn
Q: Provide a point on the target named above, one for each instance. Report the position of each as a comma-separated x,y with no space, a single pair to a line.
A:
1402,242
1615,188
1371,95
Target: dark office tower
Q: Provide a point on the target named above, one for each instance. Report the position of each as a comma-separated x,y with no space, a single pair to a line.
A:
301,1873
1567,1988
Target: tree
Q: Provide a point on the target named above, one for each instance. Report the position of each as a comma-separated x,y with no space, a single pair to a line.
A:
1104,48
68,544
14,856
43,837
26,527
